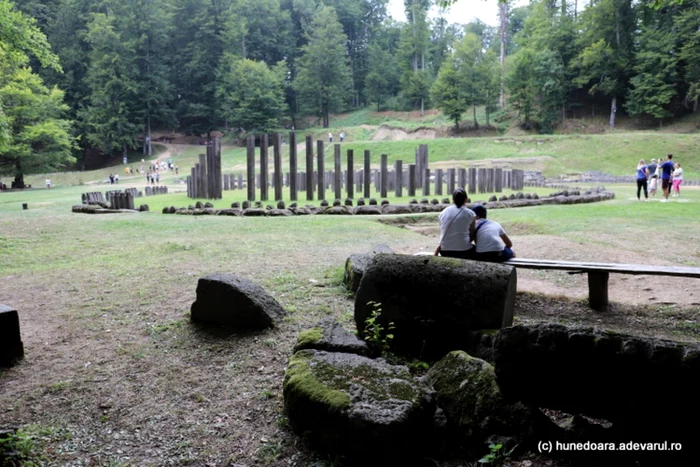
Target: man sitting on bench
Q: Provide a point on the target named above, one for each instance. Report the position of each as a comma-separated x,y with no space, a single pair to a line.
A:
492,243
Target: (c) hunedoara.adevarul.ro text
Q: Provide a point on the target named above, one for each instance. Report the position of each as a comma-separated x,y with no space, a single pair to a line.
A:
549,446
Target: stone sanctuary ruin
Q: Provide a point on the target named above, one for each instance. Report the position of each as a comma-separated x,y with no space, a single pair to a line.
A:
492,381
372,207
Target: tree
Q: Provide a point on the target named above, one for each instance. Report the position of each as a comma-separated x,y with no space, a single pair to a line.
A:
251,95
520,81
447,91
19,37
655,79
415,45
324,81
382,75
36,138
111,108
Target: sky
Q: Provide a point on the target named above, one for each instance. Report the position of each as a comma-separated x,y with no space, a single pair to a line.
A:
463,11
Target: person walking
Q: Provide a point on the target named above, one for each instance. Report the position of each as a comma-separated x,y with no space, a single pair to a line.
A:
330,137
677,180
456,229
666,170
490,240
642,174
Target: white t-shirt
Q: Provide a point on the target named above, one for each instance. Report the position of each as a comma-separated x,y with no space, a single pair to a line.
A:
458,221
488,236
678,174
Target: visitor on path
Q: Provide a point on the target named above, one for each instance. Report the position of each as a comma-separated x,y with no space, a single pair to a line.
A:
330,137
157,177
490,240
177,170
642,174
456,228
666,170
116,178
653,178
677,180
48,183
342,136
111,179
652,169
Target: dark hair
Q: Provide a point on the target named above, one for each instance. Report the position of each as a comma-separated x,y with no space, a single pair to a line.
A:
670,156
459,196
480,211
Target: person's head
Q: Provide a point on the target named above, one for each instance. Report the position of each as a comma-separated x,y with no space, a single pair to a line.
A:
670,156
653,161
480,211
678,166
641,163
459,196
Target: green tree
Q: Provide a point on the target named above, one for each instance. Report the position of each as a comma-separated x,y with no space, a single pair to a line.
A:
36,138
252,95
382,78
324,82
447,91
19,37
689,56
111,106
655,79
520,82
414,49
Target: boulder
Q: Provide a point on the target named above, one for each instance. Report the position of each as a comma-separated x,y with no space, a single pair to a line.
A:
493,198
11,347
293,205
385,202
446,201
331,336
372,202
279,212
365,409
143,208
435,301
356,265
230,212
244,205
348,201
208,205
396,209
198,205
336,202
280,204
173,210
337,210
254,212
301,211
476,411
235,205
232,300
362,209
434,201
361,202
636,382
324,203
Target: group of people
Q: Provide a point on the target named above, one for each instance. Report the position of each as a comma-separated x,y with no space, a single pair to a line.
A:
113,178
342,137
468,234
648,175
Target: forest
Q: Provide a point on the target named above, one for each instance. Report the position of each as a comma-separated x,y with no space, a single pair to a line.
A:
100,75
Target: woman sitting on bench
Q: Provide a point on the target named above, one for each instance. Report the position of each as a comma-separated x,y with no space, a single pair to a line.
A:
492,243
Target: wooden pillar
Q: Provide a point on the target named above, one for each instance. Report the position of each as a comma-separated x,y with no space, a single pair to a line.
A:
490,180
264,188
321,172
384,181
426,182
350,183
203,190
250,167
598,290
498,181
411,179
472,180
398,183
277,156
293,166
337,172
438,182
450,181
366,174
462,178
309,168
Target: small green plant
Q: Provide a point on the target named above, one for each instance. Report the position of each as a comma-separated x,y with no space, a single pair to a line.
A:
497,454
375,334
418,366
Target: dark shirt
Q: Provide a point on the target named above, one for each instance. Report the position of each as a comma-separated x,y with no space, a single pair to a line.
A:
667,168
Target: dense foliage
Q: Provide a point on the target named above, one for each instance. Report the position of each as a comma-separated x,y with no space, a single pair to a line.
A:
127,66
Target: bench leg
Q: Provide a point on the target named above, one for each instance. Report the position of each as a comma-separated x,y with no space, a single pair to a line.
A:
598,290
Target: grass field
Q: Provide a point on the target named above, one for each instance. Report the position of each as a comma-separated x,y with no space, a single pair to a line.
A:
115,375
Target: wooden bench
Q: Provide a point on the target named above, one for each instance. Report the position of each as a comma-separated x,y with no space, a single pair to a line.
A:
598,274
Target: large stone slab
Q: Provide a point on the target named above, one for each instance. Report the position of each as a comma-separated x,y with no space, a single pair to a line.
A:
434,301
331,336
646,386
356,265
232,300
476,411
11,347
358,407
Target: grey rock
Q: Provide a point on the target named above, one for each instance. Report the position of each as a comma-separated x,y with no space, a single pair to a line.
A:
396,209
235,205
434,201
143,208
279,212
358,407
235,301
362,209
348,201
336,202
385,202
256,212
361,202
245,205
208,205
324,203
198,205
11,347
493,198
230,212
424,201
336,210
372,202
280,204
446,201
435,301
331,336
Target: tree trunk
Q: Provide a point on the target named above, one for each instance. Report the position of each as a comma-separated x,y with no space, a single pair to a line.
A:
613,109
563,115
476,124
150,141
503,10
422,106
487,116
124,150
